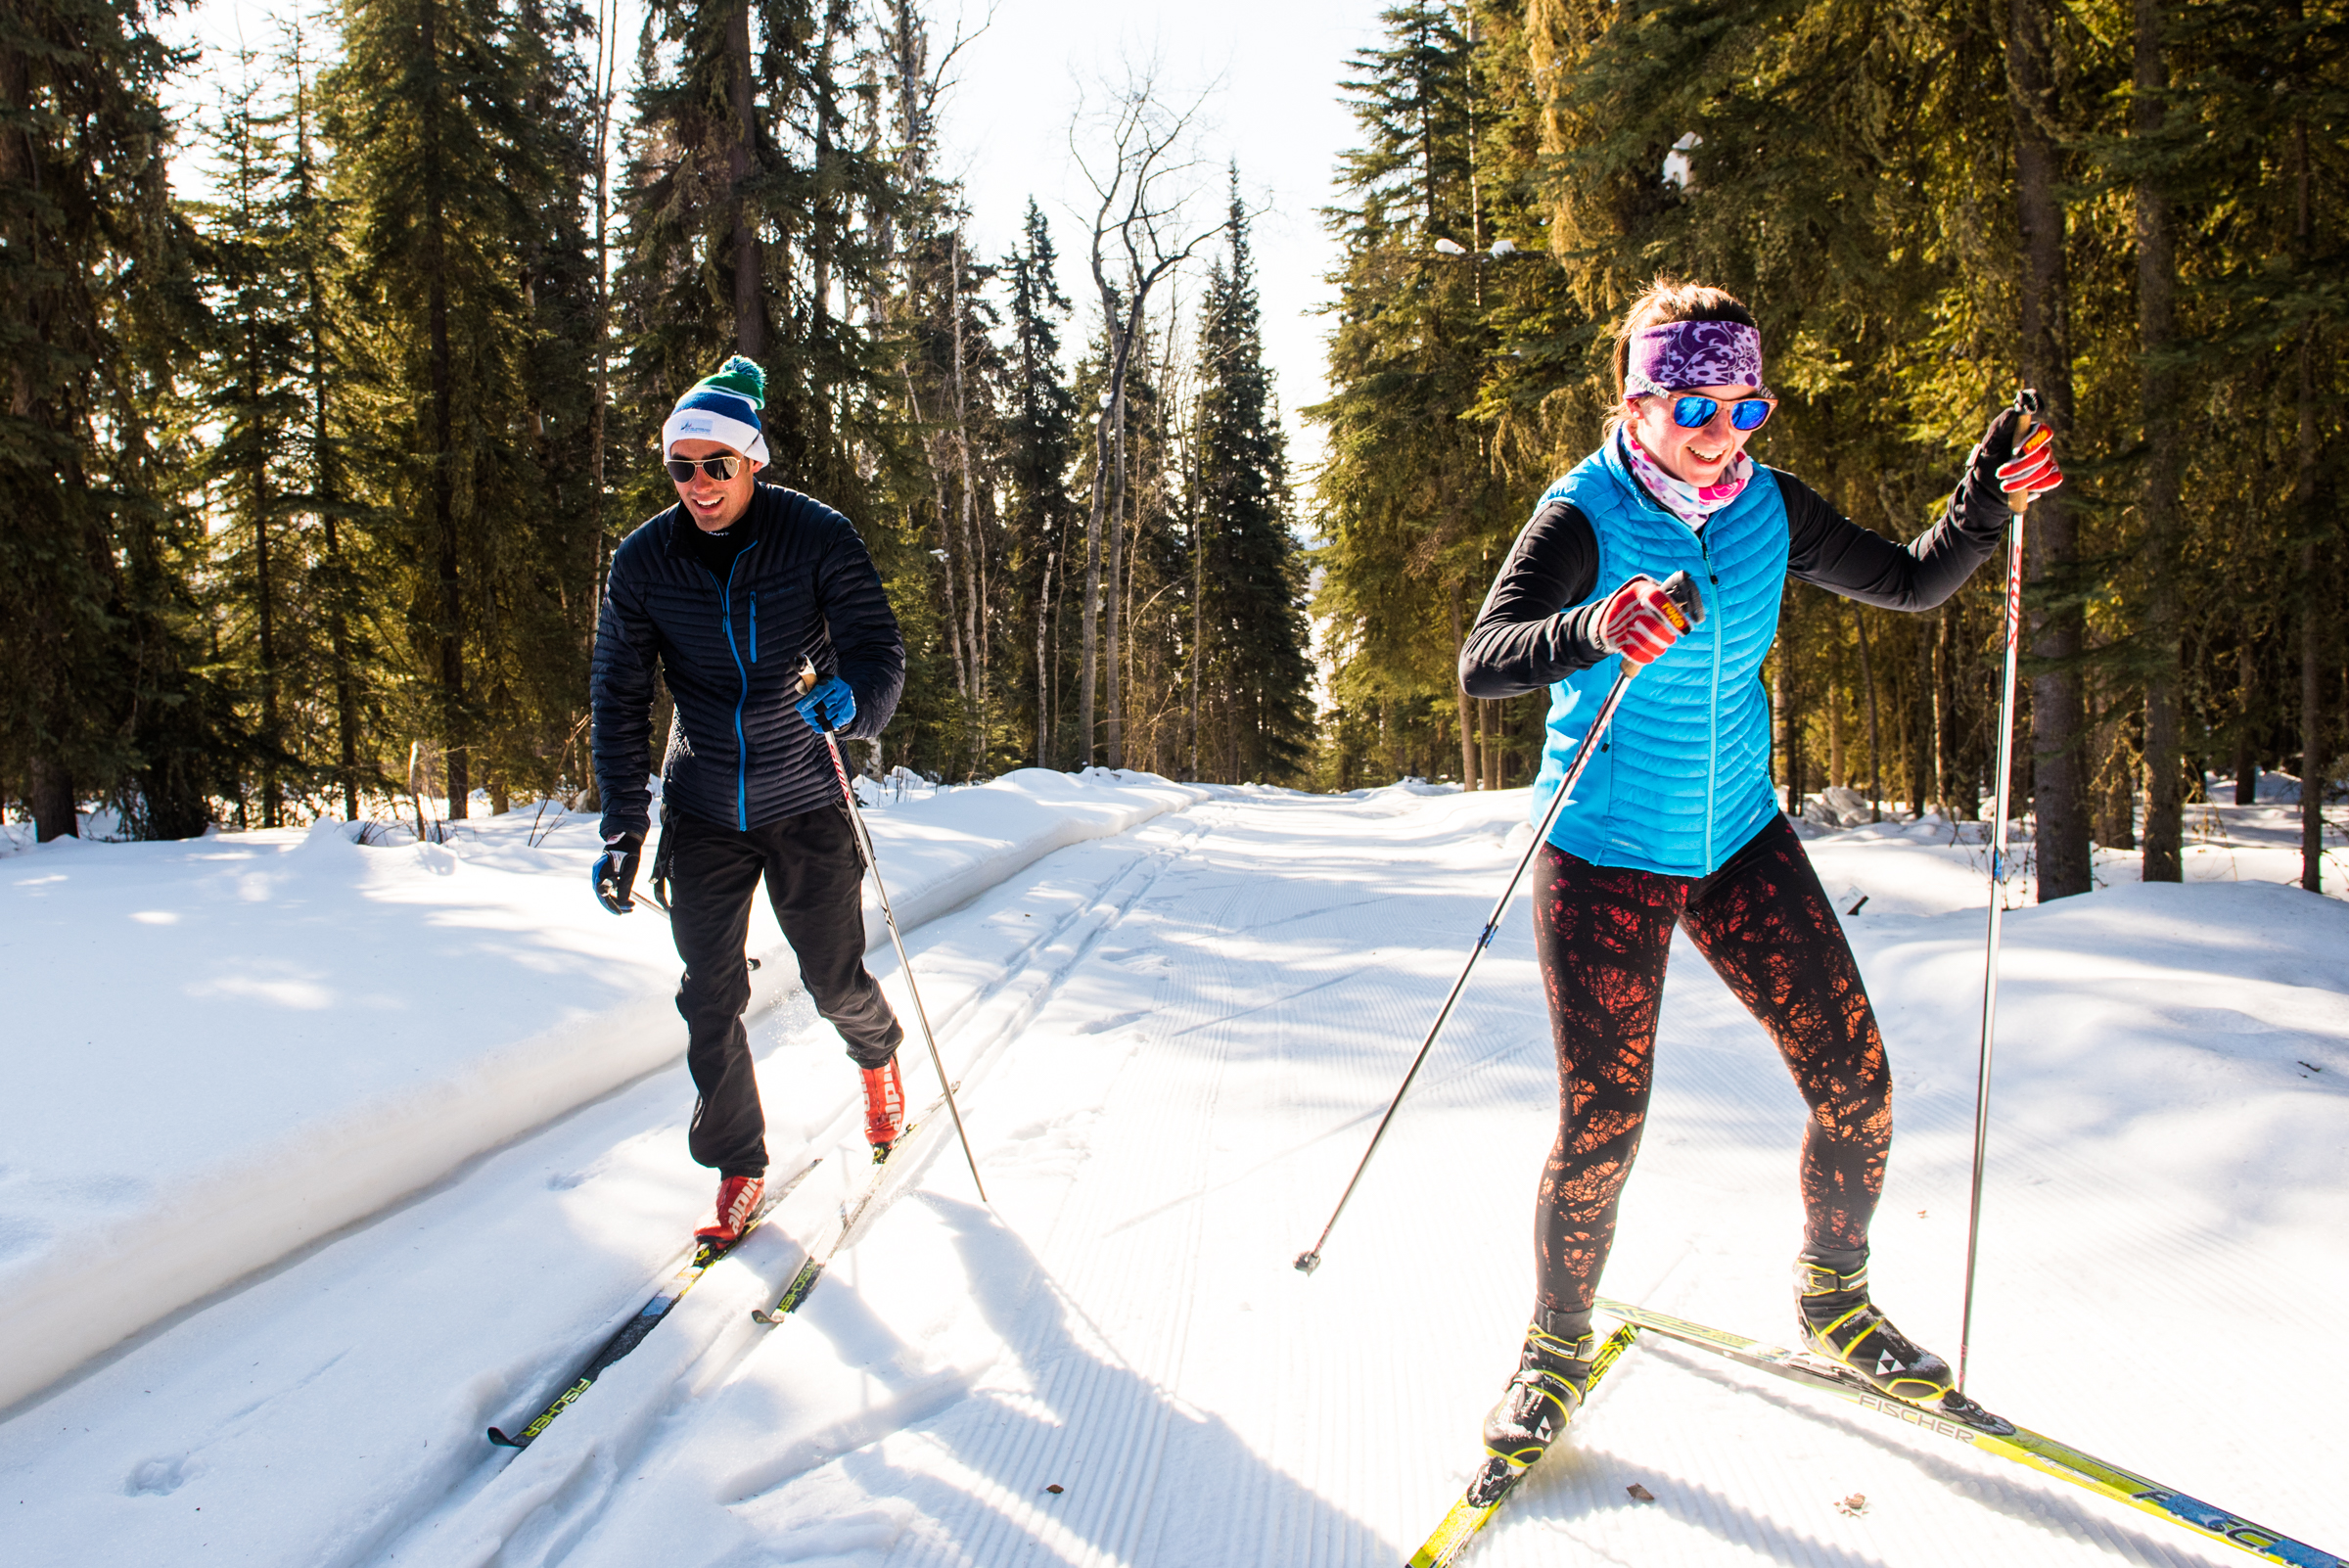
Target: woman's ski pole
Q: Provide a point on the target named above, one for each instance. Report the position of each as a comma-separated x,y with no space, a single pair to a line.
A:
2026,401
872,861
1691,604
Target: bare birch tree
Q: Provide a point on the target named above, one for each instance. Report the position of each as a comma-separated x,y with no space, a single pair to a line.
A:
1139,174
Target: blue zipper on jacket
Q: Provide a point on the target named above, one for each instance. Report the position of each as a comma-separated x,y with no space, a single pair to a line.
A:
742,762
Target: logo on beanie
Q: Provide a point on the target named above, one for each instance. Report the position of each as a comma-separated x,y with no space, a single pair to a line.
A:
725,409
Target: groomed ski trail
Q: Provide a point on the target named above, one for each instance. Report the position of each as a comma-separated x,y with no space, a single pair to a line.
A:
1172,1045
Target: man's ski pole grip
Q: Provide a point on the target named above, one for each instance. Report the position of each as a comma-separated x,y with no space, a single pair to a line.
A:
1681,589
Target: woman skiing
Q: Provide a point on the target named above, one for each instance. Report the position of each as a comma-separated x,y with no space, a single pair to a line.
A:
1675,821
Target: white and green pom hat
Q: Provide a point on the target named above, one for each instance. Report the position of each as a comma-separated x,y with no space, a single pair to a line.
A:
721,408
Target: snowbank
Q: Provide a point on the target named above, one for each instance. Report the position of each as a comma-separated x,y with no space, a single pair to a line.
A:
222,1049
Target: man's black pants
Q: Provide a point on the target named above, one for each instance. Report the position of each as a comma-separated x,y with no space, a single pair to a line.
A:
813,879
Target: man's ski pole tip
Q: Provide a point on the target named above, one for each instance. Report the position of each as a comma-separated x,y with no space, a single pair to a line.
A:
1308,1262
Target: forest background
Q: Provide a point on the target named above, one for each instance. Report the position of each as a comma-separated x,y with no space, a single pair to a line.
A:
311,481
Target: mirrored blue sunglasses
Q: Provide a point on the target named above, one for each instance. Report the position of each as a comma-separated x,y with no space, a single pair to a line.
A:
1692,412
1696,413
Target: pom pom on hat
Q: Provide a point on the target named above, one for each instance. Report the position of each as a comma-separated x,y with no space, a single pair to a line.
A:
723,407
739,376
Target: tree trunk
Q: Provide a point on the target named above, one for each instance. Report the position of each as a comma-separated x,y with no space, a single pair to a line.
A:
1920,722
1867,677
606,53
443,457
265,599
2059,795
1198,622
1956,796
1459,693
1838,769
974,569
338,594
1089,610
2247,756
1043,669
54,813
2314,605
2156,328
750,322
1116,580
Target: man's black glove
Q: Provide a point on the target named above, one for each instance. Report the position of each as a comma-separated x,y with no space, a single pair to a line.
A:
614,873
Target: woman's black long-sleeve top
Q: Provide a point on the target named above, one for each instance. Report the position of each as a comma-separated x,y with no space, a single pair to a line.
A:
1523,641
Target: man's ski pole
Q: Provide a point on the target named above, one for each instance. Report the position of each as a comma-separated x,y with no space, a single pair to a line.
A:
2017,501
872,861
1691,605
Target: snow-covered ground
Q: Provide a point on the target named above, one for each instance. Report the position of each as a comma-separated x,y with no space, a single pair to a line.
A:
224,1048
1173,1043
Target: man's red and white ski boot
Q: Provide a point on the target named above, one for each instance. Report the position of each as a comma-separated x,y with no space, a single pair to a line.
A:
883,1108
737,1200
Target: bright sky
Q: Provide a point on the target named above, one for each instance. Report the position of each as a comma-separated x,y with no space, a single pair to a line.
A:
1268,69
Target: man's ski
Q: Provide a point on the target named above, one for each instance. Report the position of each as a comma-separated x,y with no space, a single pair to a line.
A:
1990,1434
1468,1516
827,1247
631,1333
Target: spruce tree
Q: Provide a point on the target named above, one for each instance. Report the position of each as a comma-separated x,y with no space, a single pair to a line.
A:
1254,714
99,643
442,175
250,389
1039,424
1411,500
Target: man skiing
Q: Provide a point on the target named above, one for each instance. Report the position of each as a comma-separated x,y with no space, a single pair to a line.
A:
1676,822
728,592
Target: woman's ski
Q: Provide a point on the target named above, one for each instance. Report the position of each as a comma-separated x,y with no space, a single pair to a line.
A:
1482,1502
1977,1427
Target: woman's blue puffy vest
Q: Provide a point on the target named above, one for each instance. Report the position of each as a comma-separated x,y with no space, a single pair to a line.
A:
1682,778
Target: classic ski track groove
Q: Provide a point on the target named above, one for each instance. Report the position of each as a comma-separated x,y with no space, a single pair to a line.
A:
1085,1390
996,1013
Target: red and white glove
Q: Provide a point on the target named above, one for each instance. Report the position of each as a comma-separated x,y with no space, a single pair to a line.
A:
1640,621
2032,471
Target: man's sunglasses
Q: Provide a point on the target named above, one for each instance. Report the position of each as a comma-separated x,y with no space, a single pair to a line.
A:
1692,412
727,466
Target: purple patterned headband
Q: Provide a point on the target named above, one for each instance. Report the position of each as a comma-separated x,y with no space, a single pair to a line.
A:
1694,353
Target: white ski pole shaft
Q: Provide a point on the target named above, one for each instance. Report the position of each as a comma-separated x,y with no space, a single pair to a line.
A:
1684,592
888,916
2016,502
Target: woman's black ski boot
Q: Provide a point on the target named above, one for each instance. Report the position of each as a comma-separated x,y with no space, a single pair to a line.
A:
1840,1324
1552,1374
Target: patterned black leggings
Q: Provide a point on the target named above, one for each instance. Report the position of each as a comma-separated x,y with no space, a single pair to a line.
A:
1602,935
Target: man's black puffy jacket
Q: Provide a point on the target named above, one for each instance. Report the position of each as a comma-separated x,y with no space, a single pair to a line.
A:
731,647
